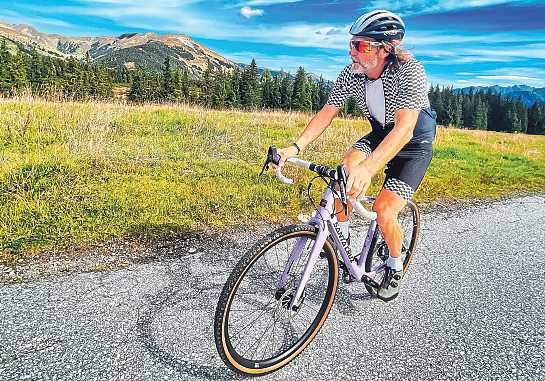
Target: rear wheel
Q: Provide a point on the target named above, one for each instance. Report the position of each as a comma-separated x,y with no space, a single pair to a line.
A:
409,219
255,330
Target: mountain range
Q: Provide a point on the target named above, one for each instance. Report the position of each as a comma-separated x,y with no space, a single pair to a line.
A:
150,50
528,94
127,50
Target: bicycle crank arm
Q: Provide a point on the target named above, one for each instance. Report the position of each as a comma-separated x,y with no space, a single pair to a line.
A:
370,282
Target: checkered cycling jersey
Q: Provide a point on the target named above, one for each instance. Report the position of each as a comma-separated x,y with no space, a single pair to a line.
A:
404,86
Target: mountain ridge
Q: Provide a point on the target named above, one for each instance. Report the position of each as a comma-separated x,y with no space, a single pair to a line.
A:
528,94
146,49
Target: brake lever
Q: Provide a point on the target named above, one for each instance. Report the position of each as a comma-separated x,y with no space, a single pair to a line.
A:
341,179
272,157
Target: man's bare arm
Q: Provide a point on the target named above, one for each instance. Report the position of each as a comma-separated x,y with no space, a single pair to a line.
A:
317,125
312,131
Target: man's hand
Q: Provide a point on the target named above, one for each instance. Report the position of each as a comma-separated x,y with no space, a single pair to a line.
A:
359,179
286,153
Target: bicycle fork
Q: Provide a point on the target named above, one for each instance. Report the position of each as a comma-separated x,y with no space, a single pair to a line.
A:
322,215
296,299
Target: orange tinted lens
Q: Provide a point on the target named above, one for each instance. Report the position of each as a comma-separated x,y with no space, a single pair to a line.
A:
361,46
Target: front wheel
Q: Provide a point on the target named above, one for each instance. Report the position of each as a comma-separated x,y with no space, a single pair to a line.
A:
409,220
254,329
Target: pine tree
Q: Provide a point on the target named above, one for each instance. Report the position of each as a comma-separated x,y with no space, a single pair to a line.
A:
5,63
207,86
314,95
18,71
136,92
351,107
512,117
449,102
301,98
440,107
522,112
185,85
468,111
167,84
177,83
323,92
276,97
250,91
219,93
495,111
536,119
480,119
458,111
235,80
267,89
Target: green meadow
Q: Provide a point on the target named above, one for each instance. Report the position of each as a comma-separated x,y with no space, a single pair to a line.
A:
75,174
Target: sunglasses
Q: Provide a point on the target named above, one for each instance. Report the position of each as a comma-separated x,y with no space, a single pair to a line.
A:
363,46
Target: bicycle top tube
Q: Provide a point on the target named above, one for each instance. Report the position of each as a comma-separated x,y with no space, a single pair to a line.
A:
324,171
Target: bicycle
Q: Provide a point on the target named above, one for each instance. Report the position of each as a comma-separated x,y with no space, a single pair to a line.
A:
283,277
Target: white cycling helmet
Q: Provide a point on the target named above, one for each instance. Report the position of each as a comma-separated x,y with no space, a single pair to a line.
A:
380,25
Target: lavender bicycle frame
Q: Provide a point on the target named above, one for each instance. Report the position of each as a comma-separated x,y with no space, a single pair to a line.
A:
325,222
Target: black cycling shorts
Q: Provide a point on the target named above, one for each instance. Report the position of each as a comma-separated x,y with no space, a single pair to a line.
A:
405,171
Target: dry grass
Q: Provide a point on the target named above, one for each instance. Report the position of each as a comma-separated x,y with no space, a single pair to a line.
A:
77,173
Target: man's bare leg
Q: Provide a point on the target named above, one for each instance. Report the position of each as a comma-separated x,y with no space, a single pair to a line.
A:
388,205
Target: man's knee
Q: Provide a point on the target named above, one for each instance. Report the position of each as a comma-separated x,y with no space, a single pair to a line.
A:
385,214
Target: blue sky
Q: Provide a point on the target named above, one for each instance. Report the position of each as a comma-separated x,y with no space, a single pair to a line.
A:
460,42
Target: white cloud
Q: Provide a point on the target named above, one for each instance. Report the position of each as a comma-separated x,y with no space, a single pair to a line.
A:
13,17
509,77
249,12
436,47
412,7
324,65
156,3
268,2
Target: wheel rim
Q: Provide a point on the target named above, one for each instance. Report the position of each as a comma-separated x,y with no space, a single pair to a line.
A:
260,332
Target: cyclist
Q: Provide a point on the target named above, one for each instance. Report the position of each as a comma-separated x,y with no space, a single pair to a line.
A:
390,87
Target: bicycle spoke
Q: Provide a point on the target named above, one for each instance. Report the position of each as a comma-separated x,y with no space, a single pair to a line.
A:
258,341
245,316
249,324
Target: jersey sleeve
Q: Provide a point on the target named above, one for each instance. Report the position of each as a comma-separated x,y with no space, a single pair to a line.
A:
413,87
341,89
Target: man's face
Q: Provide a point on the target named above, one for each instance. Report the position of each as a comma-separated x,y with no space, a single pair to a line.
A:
365,54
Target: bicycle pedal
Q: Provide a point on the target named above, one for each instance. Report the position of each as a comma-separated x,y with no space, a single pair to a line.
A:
370,282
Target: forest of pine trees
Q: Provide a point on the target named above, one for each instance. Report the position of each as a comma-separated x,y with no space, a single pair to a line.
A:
48,76
21,69
239,88
486,111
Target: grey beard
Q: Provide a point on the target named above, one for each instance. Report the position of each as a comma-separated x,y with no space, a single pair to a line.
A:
358,68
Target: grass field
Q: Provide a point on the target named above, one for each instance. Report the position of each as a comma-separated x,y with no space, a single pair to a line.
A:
73,174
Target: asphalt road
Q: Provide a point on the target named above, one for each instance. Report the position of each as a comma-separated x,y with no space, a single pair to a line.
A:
472,307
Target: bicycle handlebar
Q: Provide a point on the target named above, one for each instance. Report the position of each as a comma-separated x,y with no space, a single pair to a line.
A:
334,174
